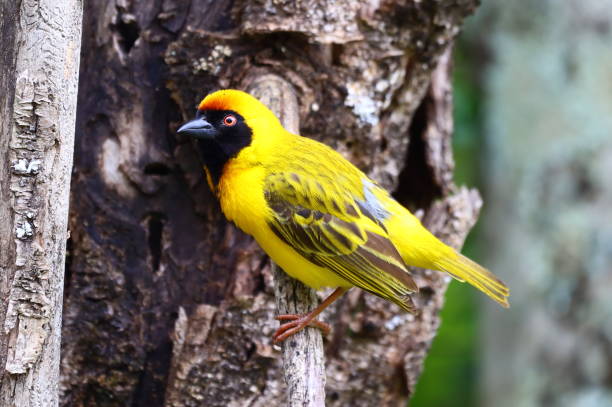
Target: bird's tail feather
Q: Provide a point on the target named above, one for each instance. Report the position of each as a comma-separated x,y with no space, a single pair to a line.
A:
464,269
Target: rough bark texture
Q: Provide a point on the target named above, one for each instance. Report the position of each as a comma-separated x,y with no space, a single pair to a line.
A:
38,84
166,302
549,130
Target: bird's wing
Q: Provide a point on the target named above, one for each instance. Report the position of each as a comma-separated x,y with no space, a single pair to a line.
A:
326,225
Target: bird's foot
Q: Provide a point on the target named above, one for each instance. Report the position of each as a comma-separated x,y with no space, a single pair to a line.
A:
296,324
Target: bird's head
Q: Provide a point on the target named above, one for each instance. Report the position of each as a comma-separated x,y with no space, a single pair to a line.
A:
227,123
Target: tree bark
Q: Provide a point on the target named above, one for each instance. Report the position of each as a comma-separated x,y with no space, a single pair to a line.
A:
167,303
39,81
549,164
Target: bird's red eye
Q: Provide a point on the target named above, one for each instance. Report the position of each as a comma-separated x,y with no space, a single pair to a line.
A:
230,120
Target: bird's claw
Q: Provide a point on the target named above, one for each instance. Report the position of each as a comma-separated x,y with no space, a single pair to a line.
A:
296,323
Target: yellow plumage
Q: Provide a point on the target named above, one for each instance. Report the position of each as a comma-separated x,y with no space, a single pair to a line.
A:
322,219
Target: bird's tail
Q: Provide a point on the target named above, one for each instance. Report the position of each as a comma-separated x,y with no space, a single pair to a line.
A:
464,269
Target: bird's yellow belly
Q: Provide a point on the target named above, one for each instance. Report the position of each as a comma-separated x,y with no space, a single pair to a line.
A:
243,203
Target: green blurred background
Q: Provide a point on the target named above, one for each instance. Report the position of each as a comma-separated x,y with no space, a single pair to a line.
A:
533,132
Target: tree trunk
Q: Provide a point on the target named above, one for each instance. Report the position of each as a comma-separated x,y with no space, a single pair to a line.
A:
549,130
38,80
167,303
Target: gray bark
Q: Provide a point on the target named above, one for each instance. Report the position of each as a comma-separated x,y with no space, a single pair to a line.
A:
177,304
40,65
549,132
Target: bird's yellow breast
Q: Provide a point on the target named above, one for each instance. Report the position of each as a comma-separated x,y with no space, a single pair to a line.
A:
241,196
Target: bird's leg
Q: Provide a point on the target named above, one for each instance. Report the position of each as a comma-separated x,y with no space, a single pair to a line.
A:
301,321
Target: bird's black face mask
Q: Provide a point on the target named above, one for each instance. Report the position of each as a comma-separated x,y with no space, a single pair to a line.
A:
219,135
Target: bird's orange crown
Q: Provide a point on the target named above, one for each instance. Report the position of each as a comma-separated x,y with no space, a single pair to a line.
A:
252,110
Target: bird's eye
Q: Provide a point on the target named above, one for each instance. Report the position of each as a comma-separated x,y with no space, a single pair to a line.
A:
230,120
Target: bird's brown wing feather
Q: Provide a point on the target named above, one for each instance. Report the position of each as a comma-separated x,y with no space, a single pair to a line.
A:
338,241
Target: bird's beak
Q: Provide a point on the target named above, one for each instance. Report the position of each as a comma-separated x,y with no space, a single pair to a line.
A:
198,128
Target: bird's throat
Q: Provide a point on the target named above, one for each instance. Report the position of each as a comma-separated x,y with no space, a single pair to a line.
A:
213,157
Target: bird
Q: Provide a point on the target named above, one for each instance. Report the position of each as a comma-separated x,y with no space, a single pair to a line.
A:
317,216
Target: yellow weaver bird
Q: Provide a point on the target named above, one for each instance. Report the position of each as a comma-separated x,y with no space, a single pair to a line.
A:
317,216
